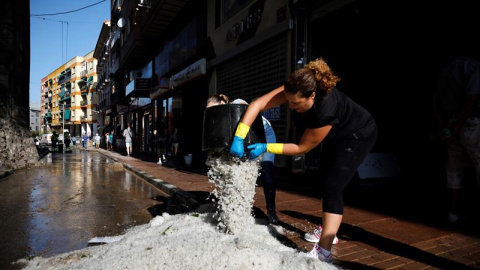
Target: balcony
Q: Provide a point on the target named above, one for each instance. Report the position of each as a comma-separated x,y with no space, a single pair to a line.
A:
152,24
65,99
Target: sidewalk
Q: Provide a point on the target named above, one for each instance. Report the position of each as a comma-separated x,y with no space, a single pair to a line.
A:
369,239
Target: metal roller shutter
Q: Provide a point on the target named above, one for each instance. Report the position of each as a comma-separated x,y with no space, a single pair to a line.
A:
256,72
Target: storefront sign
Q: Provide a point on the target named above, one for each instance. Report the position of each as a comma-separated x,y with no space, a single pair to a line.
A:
248,26
140,87
195,70
163,86
143,84
272,114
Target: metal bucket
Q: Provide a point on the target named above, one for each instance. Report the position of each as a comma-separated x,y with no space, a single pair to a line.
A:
220,123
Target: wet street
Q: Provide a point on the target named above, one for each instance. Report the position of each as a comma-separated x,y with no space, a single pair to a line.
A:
59,206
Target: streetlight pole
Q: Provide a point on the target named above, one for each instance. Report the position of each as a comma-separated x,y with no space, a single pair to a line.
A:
63,124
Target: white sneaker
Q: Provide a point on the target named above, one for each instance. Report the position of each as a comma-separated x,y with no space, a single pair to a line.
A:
159,162
317,253
315,236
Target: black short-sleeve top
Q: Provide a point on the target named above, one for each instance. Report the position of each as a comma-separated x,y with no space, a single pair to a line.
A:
338,110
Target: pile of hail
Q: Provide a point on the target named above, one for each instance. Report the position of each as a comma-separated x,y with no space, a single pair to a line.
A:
235,182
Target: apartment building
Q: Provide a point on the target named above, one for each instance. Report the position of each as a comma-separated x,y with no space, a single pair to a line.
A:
35,116
69,97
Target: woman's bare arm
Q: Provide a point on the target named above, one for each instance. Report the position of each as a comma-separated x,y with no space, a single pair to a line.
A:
265,102
310,139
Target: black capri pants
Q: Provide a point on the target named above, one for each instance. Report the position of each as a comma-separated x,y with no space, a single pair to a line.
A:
340,160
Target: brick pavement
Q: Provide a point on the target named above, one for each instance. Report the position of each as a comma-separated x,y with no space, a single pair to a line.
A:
368,239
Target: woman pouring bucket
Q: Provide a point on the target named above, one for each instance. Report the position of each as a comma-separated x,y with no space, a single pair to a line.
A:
348,133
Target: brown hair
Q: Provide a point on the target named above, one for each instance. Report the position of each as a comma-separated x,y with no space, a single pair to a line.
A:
315,75
218,99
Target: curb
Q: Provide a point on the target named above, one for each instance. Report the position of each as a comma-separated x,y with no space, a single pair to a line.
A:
185,197
4,174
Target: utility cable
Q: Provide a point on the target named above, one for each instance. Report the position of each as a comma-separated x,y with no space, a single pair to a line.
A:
46,19
65,12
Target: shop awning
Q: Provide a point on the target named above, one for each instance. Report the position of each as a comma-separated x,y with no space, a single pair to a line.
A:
67,114
83,80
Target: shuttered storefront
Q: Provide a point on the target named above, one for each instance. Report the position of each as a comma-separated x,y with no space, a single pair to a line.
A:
256,72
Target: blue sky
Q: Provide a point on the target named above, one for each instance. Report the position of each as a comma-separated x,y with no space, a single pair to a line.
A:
51,45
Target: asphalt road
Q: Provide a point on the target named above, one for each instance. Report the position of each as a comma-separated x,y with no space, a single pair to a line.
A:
59,206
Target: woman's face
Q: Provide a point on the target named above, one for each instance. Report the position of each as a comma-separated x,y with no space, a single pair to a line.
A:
299,103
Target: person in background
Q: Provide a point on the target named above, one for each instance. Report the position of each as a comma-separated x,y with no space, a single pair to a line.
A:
128,134
267,177
175,143
346,130
218,99
110,139
457,110
54,141
74,140
85,140
107,141
97,140
160,139
66,136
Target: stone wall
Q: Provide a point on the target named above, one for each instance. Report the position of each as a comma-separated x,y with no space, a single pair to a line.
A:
17,149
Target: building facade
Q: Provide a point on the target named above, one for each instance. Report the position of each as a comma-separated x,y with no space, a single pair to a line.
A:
102,54
35,119
166,58
251,53
153,45
69,97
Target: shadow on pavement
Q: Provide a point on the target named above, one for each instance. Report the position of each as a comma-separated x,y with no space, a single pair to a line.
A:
355,233
394,247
